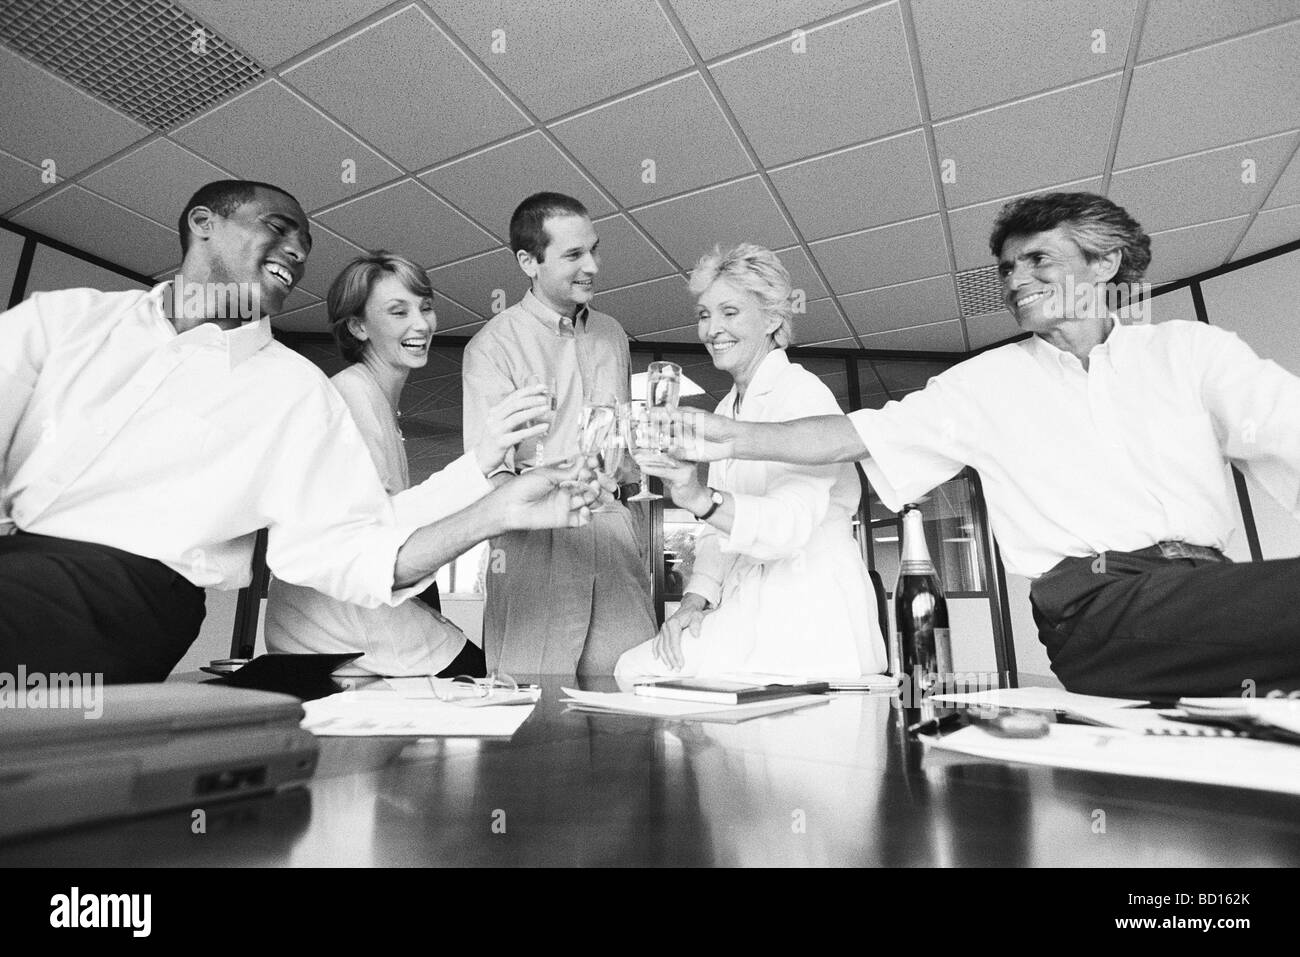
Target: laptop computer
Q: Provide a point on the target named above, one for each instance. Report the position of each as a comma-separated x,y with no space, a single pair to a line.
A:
152,747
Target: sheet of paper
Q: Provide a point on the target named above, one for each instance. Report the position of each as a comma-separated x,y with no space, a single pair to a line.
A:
1236,762
620,702
1037,699
387,714
1281,713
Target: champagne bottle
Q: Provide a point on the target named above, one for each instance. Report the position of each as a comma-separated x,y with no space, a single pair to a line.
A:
922,650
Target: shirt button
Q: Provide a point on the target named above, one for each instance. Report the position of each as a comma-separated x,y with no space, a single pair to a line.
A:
100,430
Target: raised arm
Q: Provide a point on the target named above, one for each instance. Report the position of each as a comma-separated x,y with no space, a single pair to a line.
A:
817,440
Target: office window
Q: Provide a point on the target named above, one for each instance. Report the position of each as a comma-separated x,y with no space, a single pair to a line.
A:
952,534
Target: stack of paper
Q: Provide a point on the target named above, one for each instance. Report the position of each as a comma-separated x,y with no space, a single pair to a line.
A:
387,714
1036,699
618,702
1236,762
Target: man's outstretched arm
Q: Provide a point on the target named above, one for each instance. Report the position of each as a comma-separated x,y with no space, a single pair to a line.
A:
818,440
534,500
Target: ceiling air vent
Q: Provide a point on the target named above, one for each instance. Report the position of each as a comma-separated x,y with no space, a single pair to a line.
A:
149,59
979,291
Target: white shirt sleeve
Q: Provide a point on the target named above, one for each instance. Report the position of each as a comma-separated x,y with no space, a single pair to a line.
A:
444,492
23,346
914,444
336,531
1255,406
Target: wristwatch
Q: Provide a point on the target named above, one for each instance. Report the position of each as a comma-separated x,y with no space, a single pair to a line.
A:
716,498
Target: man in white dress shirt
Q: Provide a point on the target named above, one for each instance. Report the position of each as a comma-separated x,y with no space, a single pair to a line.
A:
146,436
1101,445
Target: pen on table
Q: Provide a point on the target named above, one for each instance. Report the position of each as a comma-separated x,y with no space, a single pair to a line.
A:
931,724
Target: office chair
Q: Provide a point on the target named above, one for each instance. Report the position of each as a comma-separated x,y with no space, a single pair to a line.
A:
882,607
243,640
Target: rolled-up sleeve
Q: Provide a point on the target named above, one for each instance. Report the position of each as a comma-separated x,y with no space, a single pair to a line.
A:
23,346
1255,406
913,444
484,383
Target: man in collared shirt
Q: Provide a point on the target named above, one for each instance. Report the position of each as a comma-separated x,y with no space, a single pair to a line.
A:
145,437
559,601
1101,447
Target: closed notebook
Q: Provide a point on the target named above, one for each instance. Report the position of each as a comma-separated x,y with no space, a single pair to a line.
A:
715,691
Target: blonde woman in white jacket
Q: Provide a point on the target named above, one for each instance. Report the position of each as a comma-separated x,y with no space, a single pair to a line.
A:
778,585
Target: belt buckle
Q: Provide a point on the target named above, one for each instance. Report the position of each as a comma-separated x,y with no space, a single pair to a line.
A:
1175,550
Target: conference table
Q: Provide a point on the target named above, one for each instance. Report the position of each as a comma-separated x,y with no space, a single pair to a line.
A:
839,784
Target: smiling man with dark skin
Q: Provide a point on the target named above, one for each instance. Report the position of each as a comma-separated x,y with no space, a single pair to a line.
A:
146,436
1101,446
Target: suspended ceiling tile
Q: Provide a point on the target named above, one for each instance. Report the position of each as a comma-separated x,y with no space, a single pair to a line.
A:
835,344
883,256
43,118
1286,191
626,257
651,145
515,170
1179,253
1196,189
717,28
991,327
485,284
650,306
453,318
819,322
157,180
1239,90
19,182
53,269
408,219
437,105
298,299
971,226
689,226
687,333
803,278
94,225
272,135
907,304
312,318
796,100
329,254
860,187
1173,25
1027,144
11,248
558,57
275,32
981,52
1272,228
934,337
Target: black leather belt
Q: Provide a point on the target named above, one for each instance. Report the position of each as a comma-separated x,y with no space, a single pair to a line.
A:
1176,550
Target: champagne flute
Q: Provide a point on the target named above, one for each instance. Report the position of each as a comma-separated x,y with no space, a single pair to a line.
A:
663,386
610,454
548,383
640,439
599,418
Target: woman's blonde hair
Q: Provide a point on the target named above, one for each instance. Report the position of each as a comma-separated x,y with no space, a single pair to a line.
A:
759,272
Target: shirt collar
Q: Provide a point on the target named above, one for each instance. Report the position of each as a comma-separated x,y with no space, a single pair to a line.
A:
549,317
240,343
1060,360
766,376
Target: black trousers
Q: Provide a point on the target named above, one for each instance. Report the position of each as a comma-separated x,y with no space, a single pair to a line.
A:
1138,625
70,606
